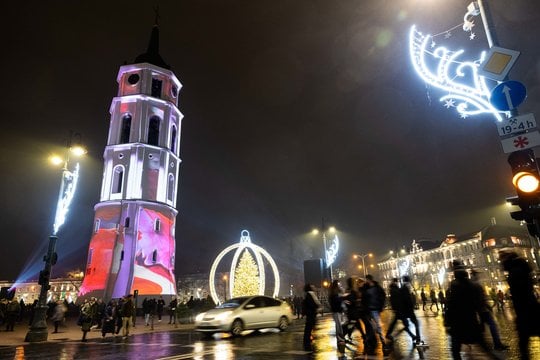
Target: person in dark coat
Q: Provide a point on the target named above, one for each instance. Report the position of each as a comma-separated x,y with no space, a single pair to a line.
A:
526,305
311,306
109,320
160,306
403,306
423,296
485,314
375,299
172,311
464,304
335,298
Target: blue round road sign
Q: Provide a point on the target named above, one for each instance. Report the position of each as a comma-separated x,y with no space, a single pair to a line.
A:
508,95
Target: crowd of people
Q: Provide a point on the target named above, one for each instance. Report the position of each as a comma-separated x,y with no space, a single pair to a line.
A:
93,314
464,306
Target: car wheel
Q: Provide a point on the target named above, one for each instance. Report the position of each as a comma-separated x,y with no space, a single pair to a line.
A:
283,323
237,327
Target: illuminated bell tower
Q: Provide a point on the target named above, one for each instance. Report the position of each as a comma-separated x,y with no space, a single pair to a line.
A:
133,241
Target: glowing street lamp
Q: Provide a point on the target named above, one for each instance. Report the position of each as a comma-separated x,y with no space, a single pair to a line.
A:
363,256
39,330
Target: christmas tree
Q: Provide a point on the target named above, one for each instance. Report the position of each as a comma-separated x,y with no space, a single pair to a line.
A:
246,276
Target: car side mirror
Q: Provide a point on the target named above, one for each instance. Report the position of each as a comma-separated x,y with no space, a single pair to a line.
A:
250,306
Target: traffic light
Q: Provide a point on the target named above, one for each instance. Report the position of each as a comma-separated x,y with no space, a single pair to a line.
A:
526,178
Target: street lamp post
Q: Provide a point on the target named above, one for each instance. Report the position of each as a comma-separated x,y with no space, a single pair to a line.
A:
38,330
328,258
363,256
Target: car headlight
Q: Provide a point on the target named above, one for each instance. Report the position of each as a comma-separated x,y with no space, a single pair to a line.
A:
199,317
223,315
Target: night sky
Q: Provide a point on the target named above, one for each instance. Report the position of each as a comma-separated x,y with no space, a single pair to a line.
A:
293,111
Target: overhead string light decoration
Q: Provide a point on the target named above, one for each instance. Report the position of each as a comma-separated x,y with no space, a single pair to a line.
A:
442,68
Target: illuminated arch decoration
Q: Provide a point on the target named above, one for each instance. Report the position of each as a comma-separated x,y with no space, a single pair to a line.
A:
449,74
244,244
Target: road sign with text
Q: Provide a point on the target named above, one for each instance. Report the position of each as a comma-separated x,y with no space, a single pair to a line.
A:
516,124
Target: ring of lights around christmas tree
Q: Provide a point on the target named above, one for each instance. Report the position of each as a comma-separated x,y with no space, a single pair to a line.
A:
245,244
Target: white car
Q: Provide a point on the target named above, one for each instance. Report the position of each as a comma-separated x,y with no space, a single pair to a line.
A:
245,313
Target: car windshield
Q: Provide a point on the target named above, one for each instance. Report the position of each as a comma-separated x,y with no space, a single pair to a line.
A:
232,303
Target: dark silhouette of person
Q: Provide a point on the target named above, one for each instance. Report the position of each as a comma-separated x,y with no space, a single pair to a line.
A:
311,306
433,298
423,296
463,307
335,299
397,306
486,316
526,306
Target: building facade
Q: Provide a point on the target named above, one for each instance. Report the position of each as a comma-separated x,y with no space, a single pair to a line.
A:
132,247
61,289
479,251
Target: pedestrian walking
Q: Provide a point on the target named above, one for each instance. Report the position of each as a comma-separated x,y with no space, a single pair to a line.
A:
500,300
297,302
108,325
526,305
13,308
311,306
160,306
85,318
335,298
423,296
128,309
433,298
485,314
403,306
442,299
146,311
464,304
58,316
118,316
172,310
375,300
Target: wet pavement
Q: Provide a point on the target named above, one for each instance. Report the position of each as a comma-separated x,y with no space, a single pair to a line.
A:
167,342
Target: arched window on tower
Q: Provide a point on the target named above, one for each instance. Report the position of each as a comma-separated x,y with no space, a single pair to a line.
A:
118,179
170,188
126,129
157,225
173,139
153,130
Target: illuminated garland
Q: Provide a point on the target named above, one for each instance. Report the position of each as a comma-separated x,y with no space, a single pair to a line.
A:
67,191
332,251
449,76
